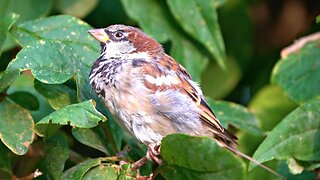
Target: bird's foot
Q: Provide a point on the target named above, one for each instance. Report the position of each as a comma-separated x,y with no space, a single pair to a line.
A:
153,153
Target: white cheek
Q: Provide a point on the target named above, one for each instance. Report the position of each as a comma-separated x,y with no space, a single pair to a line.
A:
116,48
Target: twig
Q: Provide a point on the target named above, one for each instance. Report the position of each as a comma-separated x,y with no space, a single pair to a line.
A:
138,164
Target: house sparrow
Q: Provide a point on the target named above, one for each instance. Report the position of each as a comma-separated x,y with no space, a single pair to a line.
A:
148,92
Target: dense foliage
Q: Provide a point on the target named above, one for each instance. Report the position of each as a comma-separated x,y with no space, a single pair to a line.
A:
52,123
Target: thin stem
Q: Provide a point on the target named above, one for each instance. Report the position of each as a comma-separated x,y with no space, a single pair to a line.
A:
138,164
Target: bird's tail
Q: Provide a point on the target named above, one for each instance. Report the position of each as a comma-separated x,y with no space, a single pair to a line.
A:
237,152
225,138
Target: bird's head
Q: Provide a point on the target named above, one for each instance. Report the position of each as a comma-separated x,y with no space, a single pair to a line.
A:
117,40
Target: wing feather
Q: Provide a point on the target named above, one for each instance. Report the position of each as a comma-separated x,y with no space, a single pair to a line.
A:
167,68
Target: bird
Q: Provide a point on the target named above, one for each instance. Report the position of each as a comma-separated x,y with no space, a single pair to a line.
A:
150,94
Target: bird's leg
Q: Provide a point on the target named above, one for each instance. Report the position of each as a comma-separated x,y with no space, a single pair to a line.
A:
153,153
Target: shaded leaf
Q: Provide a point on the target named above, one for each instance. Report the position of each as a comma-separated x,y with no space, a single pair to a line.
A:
237,115
83,115
188,156
78,171
25,100
138,12
5,25
5,159
150,16
189,56
112,9
93,137
238,32
101,172
78,8
268,109
296,136
58,95
218,82
25,83
284,170
200,20
299,73
16,127
26,10
57,152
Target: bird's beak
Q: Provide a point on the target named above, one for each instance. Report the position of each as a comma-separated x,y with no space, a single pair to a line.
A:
99,34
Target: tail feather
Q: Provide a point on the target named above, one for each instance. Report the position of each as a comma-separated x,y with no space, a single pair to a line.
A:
235,151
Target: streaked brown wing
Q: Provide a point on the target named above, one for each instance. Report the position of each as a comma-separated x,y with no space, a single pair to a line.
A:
181,80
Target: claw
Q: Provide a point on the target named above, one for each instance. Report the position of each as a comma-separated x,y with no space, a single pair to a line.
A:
153,153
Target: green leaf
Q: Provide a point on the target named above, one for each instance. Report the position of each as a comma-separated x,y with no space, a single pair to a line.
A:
200,20
16,127
25,82
78,8
299,73
237,115
138,12
27,10
188,156
72,51
66,46
82,115
296,136
177,172
183,50
101,172
58,95
78,171
189,56
54,70
127,173
64,28
318,19
268,109
57,152
93,137
218,82
25,100
5,25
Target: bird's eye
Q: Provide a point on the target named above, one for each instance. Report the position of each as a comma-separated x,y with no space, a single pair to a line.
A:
118,34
